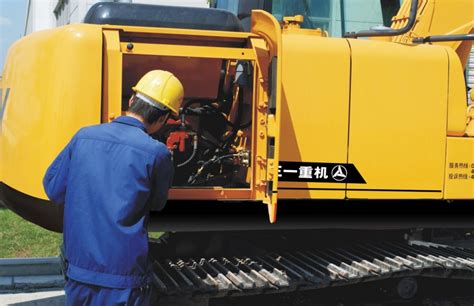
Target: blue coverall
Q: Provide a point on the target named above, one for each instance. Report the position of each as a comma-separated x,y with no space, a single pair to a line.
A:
109,176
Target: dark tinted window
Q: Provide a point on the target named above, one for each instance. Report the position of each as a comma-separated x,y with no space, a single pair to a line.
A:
389,9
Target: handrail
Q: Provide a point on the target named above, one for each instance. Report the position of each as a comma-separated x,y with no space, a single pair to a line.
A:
436,38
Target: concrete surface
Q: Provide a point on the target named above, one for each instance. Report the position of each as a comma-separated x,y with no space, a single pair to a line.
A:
30,266
44,298
28,274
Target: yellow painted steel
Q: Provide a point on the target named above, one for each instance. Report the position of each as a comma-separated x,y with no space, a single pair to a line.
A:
260,140
112,77
265,25
52,94
396,111
206,193
457,94
189,51
397,134
315,109
459,170
198,52
470,121
439,17
443,23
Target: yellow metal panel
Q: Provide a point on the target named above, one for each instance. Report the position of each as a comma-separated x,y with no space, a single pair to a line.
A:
457,96
260,100
287,190
189,51
315,109
397,136
209,193
439,17
112,77
54,78
459,179
424,12
266,26
451,17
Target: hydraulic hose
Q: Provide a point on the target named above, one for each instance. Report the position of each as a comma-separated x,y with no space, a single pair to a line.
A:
195,145
214,160
437,38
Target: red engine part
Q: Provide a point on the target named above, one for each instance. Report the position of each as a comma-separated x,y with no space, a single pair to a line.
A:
177,140
172,121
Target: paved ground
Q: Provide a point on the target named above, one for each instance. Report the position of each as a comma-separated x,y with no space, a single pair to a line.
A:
31,282
30,274
44,298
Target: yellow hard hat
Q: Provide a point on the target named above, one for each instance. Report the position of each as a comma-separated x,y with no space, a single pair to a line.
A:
161,89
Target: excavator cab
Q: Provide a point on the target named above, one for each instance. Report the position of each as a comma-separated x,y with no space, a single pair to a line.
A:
333,16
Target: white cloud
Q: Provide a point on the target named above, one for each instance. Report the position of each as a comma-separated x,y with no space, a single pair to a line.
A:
4,21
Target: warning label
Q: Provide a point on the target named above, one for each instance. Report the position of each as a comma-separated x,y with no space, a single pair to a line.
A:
460,171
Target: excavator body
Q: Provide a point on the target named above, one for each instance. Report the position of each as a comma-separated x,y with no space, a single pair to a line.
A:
274,118
298,115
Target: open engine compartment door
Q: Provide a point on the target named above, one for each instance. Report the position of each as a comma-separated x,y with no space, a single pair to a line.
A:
267,27
247,96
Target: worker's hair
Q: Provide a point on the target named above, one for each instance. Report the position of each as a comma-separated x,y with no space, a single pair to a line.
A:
149,113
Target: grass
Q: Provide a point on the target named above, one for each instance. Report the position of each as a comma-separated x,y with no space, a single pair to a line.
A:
155,235
20,238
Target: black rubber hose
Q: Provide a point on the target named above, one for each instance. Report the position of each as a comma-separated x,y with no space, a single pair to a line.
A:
208,163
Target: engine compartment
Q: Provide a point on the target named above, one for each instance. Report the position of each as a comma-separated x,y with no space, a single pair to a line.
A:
211,139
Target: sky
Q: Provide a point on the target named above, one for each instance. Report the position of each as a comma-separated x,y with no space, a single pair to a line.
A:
12,25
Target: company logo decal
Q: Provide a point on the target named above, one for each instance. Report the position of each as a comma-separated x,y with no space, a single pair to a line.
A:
339,173
319,172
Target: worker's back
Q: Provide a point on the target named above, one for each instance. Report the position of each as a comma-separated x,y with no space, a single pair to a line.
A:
109,170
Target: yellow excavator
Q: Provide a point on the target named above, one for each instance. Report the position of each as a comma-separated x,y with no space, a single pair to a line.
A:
364,140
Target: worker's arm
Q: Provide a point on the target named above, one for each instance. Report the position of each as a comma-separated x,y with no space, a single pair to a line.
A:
55,179
163,178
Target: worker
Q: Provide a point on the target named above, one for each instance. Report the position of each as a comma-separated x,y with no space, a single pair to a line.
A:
109,177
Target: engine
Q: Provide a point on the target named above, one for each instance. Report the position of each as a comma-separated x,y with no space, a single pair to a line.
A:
210,140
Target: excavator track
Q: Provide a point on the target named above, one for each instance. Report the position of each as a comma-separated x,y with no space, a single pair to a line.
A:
312,268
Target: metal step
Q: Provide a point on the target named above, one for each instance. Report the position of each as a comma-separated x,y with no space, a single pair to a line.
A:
310,269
